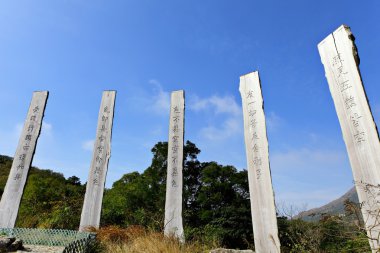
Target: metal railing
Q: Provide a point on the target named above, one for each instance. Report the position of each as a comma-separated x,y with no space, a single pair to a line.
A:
72,241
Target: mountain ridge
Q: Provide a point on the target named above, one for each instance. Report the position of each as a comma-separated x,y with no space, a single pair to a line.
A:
335,207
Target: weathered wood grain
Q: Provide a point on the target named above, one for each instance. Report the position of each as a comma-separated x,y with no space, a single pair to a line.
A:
341,62
260,183
14,188
92,205
174,184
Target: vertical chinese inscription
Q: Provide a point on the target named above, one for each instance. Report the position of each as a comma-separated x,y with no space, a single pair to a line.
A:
339,57
101,154
173,204
22,160
260,183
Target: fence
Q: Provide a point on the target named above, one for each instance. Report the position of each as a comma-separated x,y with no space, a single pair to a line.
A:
73,241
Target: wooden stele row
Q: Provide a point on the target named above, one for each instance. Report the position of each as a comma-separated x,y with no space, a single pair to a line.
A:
341,62
92,205
259,177
173,202
14,188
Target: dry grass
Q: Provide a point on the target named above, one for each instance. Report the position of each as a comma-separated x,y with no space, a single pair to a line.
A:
136,239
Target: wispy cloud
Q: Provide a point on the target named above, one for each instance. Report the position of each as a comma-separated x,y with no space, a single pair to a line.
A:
88,145
273,121
47,129
230,127
161,99
226,104
224,109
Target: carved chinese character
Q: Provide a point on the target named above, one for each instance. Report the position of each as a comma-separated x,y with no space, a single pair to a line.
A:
175,139
253,123
96,181
174,184
97,170
100,149
359,137
255,148
355,119
255,136
175,171
258,173
30,128
250,94
17,176
104,118
341,72
176,109
33,118
257,161
36,109
344,85
26,147
175,149
251,113
20,167
28,137
350,102
22,157
98,159
103,128
337,60
101,138
176,118
175,129
174,160
106,110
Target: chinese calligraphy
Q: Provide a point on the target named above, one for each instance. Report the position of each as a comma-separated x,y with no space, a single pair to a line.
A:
252,121
100,148
176,120
29,137
348,95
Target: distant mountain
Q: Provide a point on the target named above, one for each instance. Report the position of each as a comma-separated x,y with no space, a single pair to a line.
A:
335,207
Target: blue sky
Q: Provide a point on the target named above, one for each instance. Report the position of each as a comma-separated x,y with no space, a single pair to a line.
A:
145,49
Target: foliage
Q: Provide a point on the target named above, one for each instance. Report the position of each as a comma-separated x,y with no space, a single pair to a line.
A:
137,239
49,200
216,209
215,197
331,234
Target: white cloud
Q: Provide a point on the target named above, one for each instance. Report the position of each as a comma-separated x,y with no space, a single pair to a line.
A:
218,107
230,127
47,129
273,121
161,99
226,104
88,145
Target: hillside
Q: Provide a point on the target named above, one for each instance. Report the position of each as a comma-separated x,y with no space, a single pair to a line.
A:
335,207
49,200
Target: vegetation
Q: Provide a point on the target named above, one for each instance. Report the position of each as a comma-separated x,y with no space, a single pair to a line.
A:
216,210
136,239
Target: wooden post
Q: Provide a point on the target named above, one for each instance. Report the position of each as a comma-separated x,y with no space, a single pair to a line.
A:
14,189
92,205
260,183
174,185
341,62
